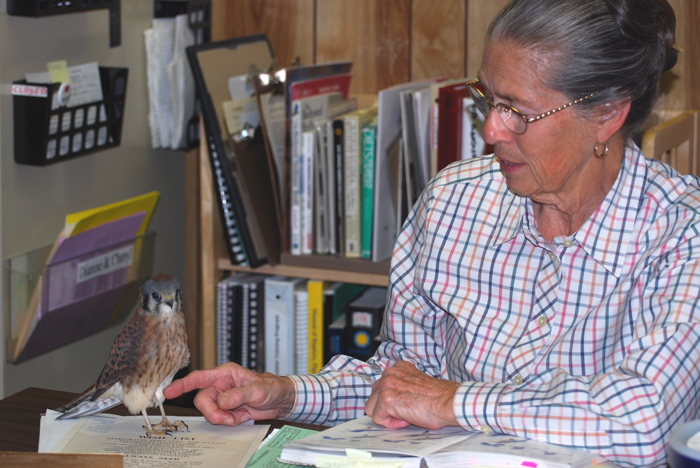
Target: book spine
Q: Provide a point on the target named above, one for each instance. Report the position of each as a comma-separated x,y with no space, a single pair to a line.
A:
301,314
352,187
307,192
364,320
321,223
235,322
316,325
244,313
279,331
369,139
296,182
256,329
336,332
338,143
222,333
331,184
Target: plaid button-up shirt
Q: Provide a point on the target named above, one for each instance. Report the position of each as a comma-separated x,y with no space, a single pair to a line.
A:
590,341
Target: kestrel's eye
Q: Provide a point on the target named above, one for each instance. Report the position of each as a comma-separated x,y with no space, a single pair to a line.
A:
155,296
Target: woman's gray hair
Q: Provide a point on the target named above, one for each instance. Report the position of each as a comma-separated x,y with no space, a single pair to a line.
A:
615,48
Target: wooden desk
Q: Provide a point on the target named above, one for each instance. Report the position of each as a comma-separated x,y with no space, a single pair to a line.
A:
20,417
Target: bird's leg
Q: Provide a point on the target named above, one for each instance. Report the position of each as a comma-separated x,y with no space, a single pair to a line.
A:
167,426
148,427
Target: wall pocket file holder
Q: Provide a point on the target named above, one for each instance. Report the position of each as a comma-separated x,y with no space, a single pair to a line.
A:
46,132
54,304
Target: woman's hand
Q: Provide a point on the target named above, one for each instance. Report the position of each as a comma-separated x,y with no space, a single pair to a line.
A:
231,394
404,395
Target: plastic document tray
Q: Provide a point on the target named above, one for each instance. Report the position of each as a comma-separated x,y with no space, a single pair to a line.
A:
47,133
52,305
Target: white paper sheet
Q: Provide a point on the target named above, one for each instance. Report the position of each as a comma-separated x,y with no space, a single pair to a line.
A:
85,83
203,444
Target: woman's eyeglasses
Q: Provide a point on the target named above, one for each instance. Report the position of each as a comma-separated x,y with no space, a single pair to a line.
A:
511,117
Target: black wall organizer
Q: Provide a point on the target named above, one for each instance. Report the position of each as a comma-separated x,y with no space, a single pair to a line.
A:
46,133
198,15
38,8
54,7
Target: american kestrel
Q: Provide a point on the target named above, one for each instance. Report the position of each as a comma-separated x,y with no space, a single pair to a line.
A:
143,360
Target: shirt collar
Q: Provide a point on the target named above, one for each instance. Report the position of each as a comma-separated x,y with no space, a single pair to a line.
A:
606,235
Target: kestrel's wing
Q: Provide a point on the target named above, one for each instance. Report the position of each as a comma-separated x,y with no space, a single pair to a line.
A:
107,391
124,353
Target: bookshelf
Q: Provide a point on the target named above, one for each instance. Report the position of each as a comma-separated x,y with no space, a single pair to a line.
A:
207,261
389,42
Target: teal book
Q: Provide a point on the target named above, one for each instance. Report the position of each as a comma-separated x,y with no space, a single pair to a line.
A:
369,152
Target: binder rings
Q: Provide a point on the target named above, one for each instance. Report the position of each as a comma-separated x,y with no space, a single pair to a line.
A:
246,227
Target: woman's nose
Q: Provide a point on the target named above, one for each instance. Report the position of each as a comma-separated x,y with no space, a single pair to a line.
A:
495,131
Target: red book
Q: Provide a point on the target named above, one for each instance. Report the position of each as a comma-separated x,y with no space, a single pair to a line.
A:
449,136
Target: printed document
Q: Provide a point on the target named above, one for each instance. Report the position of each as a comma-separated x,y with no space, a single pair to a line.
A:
201,444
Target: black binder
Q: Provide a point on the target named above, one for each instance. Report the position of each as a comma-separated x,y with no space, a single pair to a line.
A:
251,232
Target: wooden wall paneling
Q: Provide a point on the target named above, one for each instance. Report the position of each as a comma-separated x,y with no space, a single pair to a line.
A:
375,35
684,94
438,39
479,16
673,92
288,23
692,51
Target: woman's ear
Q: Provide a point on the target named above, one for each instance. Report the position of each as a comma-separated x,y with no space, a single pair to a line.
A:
612,116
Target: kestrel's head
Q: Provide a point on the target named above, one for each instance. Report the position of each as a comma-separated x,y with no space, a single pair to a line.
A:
161,295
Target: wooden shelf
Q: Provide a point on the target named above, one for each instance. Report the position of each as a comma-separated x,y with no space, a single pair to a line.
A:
325,268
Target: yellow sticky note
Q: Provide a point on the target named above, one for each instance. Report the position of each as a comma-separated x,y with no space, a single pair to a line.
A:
58,71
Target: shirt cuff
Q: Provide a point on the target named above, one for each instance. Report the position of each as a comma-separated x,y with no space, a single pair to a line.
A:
312,403
475,405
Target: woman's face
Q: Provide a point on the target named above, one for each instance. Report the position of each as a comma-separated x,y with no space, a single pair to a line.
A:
553,160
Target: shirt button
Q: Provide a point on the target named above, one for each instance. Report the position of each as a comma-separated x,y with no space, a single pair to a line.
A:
568,242
542,321
517,380
553,256
485,429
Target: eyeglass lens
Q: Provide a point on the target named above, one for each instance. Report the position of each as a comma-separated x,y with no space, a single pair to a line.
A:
504,112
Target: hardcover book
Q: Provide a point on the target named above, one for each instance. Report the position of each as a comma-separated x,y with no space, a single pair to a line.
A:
280,324
364,320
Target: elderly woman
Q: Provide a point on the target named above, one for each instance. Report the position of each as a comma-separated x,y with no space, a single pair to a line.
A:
548,291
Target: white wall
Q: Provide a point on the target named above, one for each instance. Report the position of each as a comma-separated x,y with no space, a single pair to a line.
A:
36,199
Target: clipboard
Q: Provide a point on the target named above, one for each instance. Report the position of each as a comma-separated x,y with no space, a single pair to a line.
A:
244,219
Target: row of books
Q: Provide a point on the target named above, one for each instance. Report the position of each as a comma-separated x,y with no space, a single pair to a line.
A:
301,166
290,325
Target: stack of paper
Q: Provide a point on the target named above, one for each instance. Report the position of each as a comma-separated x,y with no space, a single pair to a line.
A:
170,83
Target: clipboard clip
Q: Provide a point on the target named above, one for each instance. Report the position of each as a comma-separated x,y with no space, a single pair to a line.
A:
247,133
270,80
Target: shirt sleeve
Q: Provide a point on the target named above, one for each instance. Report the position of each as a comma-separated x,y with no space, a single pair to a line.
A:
339,391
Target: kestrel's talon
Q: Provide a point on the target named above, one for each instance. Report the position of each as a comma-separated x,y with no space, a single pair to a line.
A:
177,426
